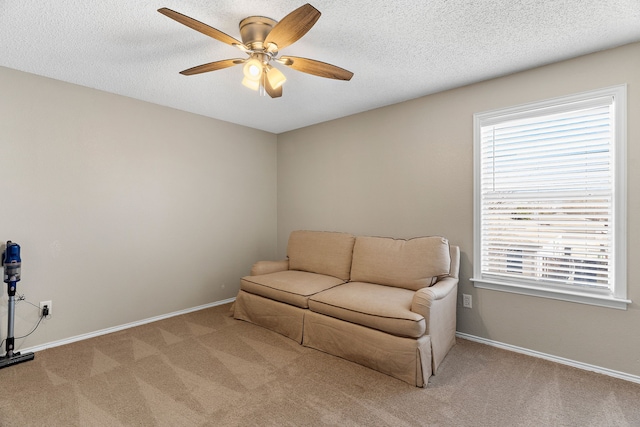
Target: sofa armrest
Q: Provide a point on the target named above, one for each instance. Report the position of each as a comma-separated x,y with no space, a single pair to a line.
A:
424,298
438,304
266,267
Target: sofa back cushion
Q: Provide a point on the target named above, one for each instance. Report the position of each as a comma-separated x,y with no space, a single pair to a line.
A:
321,252
410,264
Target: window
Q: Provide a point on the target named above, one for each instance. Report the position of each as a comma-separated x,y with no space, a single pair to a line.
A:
549,198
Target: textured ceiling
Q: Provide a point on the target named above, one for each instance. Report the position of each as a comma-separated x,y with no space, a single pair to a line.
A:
398,50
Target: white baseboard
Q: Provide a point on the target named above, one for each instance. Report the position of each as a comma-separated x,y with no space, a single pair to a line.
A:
121,327
552,358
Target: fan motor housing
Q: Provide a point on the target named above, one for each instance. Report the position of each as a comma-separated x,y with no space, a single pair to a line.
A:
254,29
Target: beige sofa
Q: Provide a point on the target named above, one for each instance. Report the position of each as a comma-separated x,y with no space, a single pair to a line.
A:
387,304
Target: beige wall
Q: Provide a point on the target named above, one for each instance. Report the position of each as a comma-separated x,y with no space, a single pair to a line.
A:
406,170
126,210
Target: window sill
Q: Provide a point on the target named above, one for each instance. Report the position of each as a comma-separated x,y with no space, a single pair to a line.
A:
557,294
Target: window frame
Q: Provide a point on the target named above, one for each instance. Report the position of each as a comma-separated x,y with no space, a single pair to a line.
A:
617,296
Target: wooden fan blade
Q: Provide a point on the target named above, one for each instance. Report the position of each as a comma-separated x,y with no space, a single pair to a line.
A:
274,93
212,66
293,26
199,26
317,68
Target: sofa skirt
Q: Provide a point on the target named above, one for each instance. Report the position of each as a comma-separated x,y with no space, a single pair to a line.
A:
282,318
407,359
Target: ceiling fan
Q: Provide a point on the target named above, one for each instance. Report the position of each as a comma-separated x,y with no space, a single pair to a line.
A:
262,40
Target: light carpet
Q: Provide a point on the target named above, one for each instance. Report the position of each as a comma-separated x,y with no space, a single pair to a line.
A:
207,369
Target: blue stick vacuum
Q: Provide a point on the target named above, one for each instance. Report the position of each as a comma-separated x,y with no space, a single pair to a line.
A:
11,262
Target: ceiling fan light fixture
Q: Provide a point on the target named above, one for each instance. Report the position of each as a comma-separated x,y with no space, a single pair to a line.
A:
262,39
251,84
275,77
253,69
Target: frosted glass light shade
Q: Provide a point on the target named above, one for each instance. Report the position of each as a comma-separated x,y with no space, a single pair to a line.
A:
251,83
275,77
252,69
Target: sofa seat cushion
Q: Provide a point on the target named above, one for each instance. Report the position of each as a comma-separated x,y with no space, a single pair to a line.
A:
385,308
291,286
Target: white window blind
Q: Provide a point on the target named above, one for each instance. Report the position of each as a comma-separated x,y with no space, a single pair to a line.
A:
546,197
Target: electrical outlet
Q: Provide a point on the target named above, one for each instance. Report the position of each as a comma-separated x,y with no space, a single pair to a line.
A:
467,301
48,304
